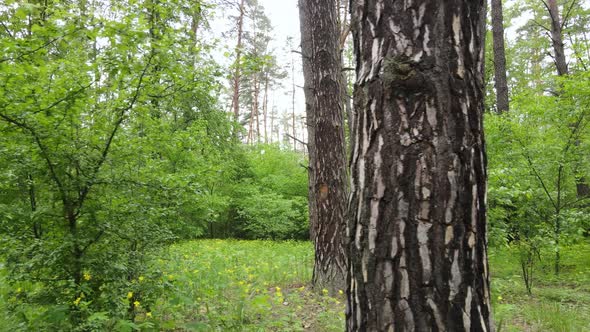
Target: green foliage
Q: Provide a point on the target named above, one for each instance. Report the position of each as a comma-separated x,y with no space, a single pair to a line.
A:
272,202
110,128
536,158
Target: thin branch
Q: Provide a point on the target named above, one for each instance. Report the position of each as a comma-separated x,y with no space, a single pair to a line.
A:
36,49
577,53
298,140
91,242
103,156
66,97
44,152
541,25
7,30
567,14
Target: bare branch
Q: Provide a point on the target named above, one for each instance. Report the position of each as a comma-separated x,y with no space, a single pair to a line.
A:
567,14
296,139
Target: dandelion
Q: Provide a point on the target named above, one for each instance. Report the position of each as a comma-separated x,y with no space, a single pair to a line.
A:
129,295
87,276
136,304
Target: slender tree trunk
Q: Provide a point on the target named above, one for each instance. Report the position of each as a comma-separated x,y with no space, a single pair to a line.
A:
502,102
265,108
325,126
37,230
293,103
582,187
256,106
236,92
272,123
417,223
557,38
250,138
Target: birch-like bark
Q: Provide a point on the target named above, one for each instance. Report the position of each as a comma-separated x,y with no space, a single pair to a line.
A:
325,126
417,223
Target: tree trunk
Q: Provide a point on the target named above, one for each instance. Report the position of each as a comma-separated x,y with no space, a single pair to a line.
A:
582,187
502,103
557,38
265,108
417,223
325,126
256,106
293,103
236,87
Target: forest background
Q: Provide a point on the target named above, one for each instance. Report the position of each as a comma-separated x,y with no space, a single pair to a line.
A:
128,126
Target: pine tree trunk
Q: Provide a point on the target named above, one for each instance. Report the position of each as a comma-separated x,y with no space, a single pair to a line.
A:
557,38
417,215
325,127
293,104
502,102
582,187
265,108
256,111
236,87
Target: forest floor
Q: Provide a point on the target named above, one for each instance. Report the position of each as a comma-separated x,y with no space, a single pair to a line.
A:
557,303
228,285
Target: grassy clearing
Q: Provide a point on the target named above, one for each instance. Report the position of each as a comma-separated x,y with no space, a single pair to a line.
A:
215,285
558,303
243,285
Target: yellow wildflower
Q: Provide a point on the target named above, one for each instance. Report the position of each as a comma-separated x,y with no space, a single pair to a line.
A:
136,303
499,298
324,291
87,276
18,290
129,295
148,314
340,292
278,289
77,301
141,278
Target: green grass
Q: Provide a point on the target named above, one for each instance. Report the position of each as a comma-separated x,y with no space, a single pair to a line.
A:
244,285
218,285
557,303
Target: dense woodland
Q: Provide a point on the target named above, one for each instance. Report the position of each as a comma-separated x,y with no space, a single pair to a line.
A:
138,144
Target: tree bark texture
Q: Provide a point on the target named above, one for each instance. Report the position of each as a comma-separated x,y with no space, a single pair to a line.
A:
417,212
327,162
501,84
